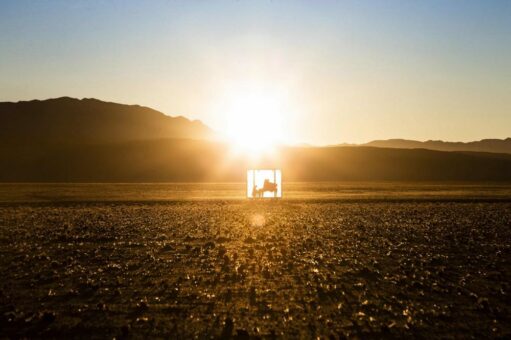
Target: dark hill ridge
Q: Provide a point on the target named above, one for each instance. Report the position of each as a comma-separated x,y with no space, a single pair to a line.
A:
72,140
180,160
72,120
484,145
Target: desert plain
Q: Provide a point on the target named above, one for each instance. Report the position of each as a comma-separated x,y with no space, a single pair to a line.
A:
380,260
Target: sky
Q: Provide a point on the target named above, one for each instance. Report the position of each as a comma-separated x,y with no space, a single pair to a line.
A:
320,72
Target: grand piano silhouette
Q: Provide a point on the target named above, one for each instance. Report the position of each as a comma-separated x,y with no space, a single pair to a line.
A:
264,183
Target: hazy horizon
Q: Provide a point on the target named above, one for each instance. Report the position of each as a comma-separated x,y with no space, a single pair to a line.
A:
323,73
297,143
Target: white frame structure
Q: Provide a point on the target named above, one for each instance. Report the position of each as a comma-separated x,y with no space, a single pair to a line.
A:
256,177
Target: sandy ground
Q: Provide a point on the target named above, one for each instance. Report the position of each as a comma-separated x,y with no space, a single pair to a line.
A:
255,269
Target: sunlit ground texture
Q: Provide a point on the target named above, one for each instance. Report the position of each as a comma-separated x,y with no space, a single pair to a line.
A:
430,265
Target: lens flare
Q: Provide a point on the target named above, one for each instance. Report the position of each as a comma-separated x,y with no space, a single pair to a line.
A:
257,220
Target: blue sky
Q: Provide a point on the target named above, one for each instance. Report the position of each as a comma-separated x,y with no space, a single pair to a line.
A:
347,71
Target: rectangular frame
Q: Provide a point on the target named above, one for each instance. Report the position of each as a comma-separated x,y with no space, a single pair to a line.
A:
257,177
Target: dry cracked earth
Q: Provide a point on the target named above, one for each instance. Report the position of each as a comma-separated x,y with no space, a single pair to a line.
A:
288,269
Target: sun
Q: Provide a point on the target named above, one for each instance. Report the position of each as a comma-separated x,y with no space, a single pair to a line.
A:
255,117
255,120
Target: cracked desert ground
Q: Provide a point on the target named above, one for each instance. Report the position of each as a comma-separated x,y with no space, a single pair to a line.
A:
328,260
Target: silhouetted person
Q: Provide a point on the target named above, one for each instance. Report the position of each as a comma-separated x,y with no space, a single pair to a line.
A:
254,191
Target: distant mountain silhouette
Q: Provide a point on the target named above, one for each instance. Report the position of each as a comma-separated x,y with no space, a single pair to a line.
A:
71,140
72,120
180,160
484,145
361,163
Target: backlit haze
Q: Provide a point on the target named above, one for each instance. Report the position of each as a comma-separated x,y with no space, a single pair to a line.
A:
318,72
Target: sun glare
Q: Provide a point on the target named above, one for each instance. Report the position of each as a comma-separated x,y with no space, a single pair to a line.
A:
255,117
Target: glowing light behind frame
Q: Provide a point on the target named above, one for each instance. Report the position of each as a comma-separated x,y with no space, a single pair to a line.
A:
256,177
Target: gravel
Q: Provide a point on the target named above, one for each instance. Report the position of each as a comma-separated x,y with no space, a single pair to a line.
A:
256,269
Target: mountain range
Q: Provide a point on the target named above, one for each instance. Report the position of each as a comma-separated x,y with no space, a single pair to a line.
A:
87,140
484,145
69,120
